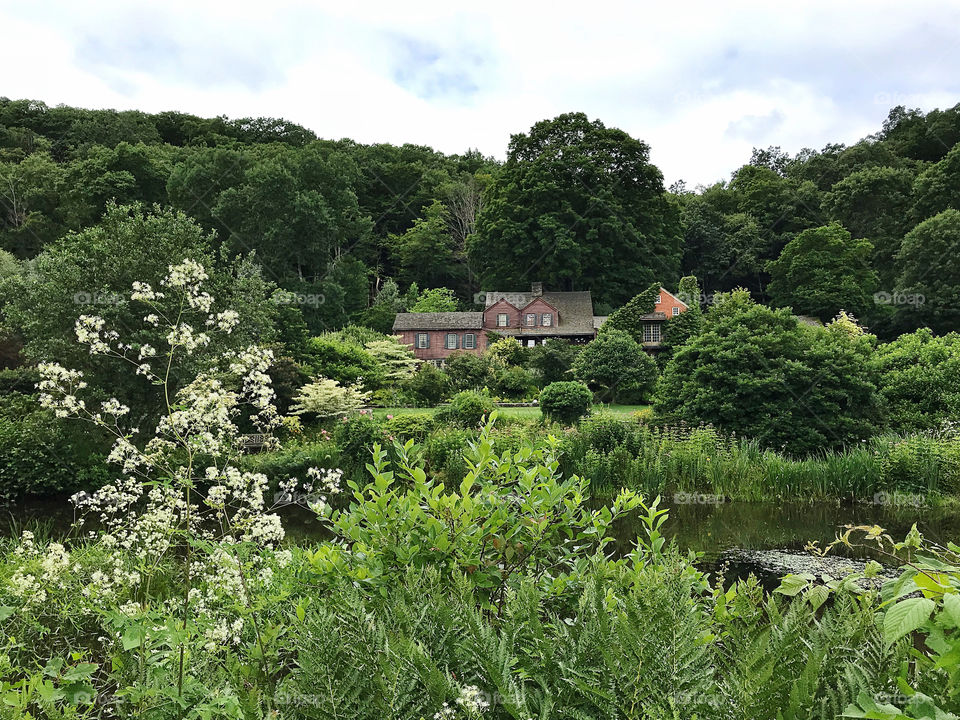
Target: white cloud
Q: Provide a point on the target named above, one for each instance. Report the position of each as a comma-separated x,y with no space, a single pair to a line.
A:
701,82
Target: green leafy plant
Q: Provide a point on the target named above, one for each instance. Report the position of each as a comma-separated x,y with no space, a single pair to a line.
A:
565,402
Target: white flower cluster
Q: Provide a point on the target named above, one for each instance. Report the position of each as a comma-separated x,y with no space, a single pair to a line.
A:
472,699
182,335
143,292
225,321
53,566
89,329
58,387
187,275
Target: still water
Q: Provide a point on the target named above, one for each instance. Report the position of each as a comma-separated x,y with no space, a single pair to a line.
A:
698,523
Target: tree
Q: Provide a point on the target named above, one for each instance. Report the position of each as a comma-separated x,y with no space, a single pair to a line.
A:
874,203
761,374
553,360
581,204
90,272
616,367
396,360
929,274
426,253
435,300
823,271
325,398
629,318
919,380
330,356
938,187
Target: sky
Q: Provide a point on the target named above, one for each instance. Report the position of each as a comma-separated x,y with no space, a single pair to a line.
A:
701,82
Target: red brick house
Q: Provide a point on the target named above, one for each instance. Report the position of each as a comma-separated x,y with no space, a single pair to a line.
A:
667,305
531,317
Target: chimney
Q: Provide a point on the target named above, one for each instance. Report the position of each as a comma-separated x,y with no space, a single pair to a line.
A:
536,288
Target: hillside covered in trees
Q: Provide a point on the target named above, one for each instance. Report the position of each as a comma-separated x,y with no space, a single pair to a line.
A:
866,228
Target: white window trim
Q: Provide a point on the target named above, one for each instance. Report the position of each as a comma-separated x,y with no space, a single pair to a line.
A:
659,299
506,319
676,311
546,320
424,337
526,319
446,341
471,339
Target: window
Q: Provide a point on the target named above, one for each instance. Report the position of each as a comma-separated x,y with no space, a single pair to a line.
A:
469,341
503,320
531,343
546,319
658,299
651,332
530,320
423,340
676,311
451,341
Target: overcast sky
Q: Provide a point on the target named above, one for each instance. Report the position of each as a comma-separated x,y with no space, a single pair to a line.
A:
702,83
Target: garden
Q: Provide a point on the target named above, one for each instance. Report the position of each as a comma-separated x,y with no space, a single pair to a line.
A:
468,566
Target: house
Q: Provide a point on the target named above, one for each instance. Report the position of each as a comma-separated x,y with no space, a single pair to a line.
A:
667,305
531,317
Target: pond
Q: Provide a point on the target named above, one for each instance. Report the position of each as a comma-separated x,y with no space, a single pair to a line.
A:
698,523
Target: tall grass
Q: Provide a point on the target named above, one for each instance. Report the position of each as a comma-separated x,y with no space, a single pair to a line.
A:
613,454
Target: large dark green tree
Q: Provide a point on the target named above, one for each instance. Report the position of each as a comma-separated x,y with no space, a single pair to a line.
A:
929,283
823,271
577,205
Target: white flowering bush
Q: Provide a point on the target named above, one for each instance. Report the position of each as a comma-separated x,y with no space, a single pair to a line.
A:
177,555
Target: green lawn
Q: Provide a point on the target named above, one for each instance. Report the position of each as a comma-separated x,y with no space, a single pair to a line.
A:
624,411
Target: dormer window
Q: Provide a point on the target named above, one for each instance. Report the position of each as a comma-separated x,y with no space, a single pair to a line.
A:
503,320
546,319
530,319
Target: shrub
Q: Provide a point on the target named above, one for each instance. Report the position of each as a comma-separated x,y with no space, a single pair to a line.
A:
443,453
616,367
429,385
411,425
393,397
514,382
327,398
553,360
41,456
354,436
467,409
507,351
565,402
760,373
468,371
345,362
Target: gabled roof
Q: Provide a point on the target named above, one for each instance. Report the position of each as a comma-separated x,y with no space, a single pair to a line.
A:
439,321
664,290
575,310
